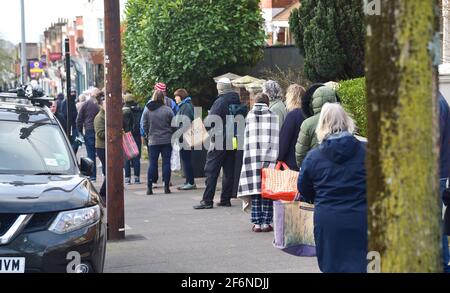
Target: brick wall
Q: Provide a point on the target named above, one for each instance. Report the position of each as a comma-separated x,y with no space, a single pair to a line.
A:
276,3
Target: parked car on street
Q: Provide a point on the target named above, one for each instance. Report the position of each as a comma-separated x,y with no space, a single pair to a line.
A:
51,217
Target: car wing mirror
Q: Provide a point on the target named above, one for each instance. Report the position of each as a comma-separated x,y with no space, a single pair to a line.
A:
86,167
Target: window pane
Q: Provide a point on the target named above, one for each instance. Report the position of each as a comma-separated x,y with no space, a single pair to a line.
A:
42,150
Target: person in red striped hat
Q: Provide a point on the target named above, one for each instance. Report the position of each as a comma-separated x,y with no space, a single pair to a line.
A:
159,86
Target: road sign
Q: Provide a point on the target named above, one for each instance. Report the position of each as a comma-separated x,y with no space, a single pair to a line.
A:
36,67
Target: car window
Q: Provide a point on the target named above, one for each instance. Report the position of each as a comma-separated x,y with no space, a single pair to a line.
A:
33,148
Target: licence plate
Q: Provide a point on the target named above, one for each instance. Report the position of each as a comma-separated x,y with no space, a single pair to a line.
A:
12,265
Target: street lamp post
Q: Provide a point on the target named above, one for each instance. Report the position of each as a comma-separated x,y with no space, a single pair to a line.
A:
23,47
68,86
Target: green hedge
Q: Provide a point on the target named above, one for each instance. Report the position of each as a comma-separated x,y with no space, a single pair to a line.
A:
353,97
185,43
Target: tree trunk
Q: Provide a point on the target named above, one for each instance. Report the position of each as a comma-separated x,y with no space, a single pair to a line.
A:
402,158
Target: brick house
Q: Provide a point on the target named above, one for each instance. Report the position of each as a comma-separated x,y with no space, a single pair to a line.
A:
276,15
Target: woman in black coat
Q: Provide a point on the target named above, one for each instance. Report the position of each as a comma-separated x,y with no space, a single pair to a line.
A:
333,176
291,127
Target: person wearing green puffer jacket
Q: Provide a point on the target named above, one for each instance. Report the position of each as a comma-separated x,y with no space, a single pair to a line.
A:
307,139
100,137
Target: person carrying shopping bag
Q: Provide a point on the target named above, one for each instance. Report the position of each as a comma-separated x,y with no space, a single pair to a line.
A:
132,113
186,109
261,145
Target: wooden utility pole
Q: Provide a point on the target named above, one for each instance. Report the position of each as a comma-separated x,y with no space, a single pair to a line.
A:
114,152
402,157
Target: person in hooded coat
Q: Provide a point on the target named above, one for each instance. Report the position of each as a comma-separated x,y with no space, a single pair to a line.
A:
444,164
333,177
74,114
162,87
307,139
157,128
132,114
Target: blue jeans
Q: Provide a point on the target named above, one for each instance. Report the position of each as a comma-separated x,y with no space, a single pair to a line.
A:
186,157
89,141
136,162
166,151
445,252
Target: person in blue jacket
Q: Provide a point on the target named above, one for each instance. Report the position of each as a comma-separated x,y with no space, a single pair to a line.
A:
333,177
444,130
186,110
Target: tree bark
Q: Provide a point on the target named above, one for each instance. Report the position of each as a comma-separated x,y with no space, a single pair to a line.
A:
402,158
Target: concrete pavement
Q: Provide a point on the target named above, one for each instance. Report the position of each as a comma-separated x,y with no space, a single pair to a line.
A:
164,234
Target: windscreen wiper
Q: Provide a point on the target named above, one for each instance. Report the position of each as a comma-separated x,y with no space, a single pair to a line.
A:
25,132
50,173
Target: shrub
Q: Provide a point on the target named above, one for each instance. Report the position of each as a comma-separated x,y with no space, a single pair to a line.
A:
330,35
353,97
286,77
185,43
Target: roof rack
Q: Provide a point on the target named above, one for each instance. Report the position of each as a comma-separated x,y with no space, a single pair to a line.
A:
35,95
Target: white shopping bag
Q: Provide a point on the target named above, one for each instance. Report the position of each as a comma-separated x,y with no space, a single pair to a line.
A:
175,162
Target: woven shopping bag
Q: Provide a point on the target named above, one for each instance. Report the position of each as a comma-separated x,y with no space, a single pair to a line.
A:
196,134
129,145
279,184
294,228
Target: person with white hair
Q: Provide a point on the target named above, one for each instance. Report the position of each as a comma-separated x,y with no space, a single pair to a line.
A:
333,177
81,100
277,101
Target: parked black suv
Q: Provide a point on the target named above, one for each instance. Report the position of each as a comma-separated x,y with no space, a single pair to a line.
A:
51,217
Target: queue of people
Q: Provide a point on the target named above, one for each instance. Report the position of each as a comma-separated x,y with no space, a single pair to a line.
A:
307,129
319,142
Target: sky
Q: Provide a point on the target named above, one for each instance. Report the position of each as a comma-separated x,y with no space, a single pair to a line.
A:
39,14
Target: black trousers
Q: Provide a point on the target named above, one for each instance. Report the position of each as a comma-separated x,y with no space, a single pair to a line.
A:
102,157
215,160
237,171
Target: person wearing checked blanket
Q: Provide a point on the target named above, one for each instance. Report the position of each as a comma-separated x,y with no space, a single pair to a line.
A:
261,147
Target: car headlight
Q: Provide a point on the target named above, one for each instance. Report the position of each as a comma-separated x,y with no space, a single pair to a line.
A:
73,220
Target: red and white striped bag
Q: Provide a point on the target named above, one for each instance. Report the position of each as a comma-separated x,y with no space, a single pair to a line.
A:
279,184
129,145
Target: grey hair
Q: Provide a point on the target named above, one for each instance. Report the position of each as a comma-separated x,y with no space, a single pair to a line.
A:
333,119
273,90
82,98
